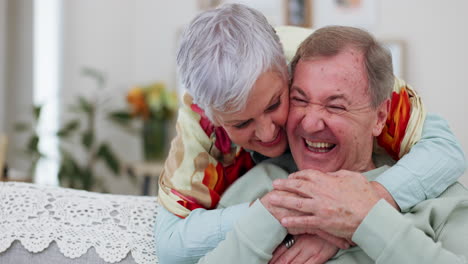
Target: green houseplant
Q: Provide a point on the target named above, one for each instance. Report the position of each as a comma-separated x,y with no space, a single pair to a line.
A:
81,173
31,150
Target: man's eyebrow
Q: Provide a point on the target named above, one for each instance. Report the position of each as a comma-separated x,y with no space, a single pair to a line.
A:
338,97
299,90
329,99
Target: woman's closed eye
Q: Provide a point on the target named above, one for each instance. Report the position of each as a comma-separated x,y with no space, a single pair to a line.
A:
242,124
273,107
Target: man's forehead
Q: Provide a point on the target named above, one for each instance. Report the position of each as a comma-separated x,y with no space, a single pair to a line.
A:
342,76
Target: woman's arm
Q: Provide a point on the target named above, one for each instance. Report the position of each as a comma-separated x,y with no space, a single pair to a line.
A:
252,240
186,240
433,164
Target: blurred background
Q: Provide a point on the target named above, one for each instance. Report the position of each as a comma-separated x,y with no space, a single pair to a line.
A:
83,81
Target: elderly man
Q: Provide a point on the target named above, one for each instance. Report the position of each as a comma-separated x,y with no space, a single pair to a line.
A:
339,103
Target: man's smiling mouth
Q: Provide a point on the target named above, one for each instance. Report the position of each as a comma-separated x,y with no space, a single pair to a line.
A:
321,147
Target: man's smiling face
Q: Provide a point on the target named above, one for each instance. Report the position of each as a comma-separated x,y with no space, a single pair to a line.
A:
331,123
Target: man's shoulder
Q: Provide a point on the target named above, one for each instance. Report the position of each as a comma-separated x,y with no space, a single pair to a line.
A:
455,190
455,197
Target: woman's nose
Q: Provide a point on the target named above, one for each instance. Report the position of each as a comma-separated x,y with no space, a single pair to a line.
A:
265,130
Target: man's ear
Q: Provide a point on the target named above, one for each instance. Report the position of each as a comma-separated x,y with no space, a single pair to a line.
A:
382,114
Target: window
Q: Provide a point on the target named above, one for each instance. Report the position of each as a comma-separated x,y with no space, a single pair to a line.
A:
47,57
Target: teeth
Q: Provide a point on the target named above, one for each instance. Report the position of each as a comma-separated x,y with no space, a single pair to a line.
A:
319,145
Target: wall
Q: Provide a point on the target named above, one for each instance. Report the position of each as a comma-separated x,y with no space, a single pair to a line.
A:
18,75
3,6
133,42
271,9
436,54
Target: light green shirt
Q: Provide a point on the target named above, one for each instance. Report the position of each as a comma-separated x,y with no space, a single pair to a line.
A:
434,231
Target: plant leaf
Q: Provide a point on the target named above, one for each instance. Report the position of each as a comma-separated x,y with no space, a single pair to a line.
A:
37,111
70,171
95,74
87,139
33,144
85,105
68,128
125,120
22,126
107,155
87,179
121,117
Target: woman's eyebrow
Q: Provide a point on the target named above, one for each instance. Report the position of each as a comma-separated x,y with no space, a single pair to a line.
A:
274,98
272,101
230,122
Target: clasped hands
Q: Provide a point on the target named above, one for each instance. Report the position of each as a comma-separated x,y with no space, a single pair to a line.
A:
327,207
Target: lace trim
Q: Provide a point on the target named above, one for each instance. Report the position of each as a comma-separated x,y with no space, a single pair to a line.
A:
114,225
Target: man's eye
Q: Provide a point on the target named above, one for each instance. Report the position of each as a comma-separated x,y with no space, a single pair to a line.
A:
336,108
273,106
298,100
242,124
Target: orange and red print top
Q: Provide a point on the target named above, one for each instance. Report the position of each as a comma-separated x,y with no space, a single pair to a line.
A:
201,164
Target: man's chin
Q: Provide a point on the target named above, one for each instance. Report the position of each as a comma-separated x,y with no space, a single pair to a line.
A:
329,165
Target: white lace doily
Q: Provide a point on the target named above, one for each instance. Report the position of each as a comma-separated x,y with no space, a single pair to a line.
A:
114,225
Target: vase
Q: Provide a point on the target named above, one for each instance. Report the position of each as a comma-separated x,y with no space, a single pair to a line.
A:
154,140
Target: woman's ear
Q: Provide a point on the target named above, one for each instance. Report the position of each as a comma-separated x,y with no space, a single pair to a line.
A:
382,114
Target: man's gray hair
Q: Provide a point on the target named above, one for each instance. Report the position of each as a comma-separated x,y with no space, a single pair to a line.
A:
223,52
329,41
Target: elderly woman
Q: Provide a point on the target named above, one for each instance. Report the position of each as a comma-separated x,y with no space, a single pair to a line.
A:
233,67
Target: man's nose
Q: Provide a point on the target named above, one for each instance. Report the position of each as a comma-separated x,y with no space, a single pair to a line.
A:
265,129
313,119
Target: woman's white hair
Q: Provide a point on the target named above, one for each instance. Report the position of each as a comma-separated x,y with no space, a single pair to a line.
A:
223,52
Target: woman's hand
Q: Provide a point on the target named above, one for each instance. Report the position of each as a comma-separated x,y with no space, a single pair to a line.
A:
307,249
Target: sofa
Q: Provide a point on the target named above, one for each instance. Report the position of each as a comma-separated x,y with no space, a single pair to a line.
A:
40,224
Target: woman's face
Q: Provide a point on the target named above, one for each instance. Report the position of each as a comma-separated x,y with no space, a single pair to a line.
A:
261,125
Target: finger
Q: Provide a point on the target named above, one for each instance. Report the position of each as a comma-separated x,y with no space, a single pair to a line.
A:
300,187
299,231
289,255
297,255
351,243
337,173
279,251
337,241
306,174
321,257
300,204
308,222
